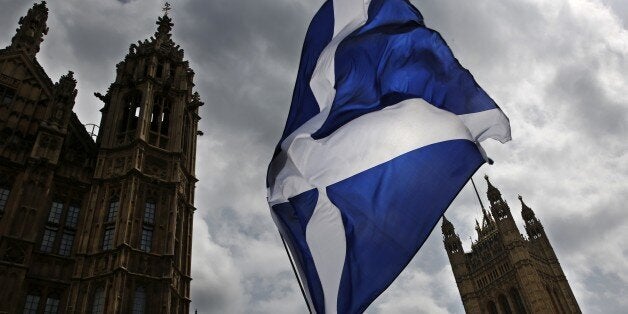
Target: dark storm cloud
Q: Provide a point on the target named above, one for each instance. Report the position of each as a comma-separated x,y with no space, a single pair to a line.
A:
246,54
557,68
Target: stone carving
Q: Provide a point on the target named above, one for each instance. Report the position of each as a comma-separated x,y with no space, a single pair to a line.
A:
156,167
15,253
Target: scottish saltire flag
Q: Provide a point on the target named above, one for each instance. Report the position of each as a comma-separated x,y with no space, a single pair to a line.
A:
382,134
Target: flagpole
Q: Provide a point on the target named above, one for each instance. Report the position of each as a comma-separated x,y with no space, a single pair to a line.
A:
477,194
295,273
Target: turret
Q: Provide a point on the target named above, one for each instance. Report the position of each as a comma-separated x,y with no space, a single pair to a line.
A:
493,194
499,208
533,226
451,239
152,91
64,95
501,214
536,233
54,128
30,33
144,180
452,242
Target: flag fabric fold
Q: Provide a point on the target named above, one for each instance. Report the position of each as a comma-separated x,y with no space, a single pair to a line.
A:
383,132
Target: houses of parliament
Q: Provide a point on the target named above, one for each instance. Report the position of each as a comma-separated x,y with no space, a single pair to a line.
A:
96,224
506,272
103,224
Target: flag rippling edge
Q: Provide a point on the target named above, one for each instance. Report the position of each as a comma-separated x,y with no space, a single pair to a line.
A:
383,132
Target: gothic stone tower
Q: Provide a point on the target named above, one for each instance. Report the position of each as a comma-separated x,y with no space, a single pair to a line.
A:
506,272
137,252
46,165
99,226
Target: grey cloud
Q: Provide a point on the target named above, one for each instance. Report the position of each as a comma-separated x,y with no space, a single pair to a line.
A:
557,68
586,102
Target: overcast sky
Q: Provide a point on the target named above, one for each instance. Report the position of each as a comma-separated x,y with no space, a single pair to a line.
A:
558,69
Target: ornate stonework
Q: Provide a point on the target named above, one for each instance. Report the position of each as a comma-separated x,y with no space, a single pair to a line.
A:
98,226
506,272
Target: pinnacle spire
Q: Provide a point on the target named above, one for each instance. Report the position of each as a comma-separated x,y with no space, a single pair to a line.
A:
31,30
67,85
526,212
164,22
492,192
447,227
486,218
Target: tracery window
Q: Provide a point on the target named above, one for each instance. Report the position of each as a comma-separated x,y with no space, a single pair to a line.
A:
4,197
139,301
98,303
72,219
160,121
112,211
146,238
130,116
149,212
67,239
48,240
52,304
61,223
6,95
32,303
110,221
107,241
55,212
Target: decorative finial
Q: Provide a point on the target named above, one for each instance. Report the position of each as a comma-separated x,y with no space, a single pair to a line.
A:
523,204
31,30
66,85
166,8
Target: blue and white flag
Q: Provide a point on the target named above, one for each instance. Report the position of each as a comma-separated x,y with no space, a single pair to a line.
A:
383,132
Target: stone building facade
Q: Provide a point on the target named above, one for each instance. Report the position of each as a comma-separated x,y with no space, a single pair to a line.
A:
506,272
104,225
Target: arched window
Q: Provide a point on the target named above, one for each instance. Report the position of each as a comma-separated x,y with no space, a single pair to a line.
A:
148,225
503,302
139,301
112,210
6,95
518,302
4,197
52,304
130,114
160,121
98,302
160,70
110,222
492,308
